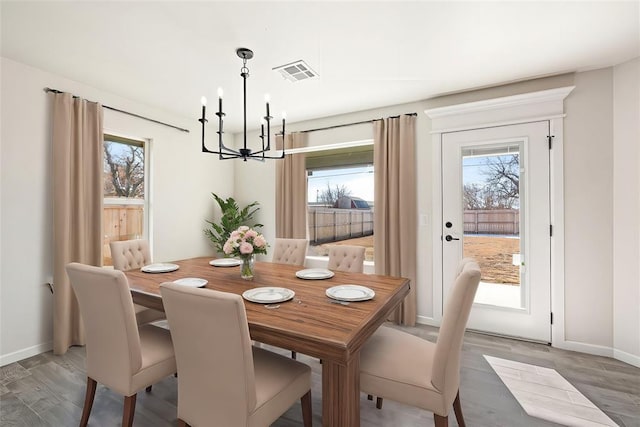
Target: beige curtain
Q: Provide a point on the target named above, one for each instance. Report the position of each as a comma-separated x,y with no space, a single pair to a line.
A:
291,191
395,205
77,206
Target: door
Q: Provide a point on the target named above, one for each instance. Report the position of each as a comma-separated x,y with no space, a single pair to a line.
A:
495,190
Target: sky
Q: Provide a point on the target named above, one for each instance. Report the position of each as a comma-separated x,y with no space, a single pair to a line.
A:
358,179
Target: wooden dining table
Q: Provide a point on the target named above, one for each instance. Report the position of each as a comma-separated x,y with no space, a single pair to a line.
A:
310,323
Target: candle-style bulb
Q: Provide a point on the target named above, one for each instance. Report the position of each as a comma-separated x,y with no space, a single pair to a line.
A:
263,122
267,98
203,100
284,115
220,92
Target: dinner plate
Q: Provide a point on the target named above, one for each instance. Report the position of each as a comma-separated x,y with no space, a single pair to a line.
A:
225,262
350,293
268,295
314,274
161,267
192,282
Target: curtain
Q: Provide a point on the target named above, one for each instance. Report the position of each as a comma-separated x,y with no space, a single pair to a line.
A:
291,191
77,206
395,206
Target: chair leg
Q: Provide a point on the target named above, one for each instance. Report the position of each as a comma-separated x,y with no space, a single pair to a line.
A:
182,423
457,408
379,402
440,421
129,410
148,389
293,355
88,401
369,397
305,401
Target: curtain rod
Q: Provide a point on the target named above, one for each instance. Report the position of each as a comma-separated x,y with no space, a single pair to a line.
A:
47,89
354,123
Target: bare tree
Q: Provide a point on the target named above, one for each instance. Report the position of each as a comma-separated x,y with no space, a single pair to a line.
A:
125,171
502,183
329,196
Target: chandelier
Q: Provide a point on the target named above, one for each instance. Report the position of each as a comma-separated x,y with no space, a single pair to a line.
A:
244,153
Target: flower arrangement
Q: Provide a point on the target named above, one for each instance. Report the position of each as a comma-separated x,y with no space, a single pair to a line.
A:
245,242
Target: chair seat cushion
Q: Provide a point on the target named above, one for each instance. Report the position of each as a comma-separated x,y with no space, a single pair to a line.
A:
158,359
397,365
279,381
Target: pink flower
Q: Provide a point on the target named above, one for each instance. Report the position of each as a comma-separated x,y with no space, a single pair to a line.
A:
234,235
228,247
259,241
243,229
250,234
246,248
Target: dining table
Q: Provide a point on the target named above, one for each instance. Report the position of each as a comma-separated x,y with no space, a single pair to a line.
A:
310,323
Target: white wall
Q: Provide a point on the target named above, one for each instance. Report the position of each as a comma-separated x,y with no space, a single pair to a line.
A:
588,180
182,179
626,211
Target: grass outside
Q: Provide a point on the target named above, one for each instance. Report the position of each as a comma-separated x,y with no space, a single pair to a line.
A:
494,255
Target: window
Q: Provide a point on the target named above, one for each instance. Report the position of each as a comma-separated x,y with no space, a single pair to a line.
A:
340,198
124,189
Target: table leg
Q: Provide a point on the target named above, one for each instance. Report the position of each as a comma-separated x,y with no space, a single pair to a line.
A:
341,393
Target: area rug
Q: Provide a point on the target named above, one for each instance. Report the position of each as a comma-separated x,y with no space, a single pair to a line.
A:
544,393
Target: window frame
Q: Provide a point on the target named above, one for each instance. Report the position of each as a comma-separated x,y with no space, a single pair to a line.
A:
145,143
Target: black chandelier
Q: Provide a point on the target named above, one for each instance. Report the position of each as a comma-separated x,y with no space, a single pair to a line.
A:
244,153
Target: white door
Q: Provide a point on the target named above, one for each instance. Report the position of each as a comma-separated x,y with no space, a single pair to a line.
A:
495,190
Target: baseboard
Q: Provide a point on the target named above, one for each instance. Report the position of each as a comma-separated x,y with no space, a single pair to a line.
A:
25,353
597,350
625,357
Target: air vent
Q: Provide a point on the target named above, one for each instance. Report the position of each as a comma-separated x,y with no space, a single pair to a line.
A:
296,71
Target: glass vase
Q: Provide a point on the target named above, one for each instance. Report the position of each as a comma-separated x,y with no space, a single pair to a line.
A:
246,269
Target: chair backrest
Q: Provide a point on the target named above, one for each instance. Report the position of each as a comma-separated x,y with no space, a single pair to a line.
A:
446,362
111,331
290,251
346,258
210,333
130,254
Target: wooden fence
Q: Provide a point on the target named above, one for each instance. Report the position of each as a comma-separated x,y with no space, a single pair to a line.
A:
330,225
120,222
498,221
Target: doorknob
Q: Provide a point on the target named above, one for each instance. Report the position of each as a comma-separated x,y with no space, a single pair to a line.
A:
449,238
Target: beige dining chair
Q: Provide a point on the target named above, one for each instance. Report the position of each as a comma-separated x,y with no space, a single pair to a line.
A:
408,369
224,380
290,251
120,354
130,255
346,258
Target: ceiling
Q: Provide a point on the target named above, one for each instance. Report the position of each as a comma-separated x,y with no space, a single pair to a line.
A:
368,54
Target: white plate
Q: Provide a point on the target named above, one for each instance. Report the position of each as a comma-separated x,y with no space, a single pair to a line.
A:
314,274
192,282
268,295
350,293
161,267
225,262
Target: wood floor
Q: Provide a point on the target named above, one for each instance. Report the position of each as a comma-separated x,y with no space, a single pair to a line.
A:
48,390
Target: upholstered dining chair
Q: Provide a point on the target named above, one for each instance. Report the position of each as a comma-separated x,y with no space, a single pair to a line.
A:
224,380
129,255
408,369
290,251
346,258
121,355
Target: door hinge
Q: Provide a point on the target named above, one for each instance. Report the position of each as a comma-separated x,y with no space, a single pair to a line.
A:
550,139
551,318
550,230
